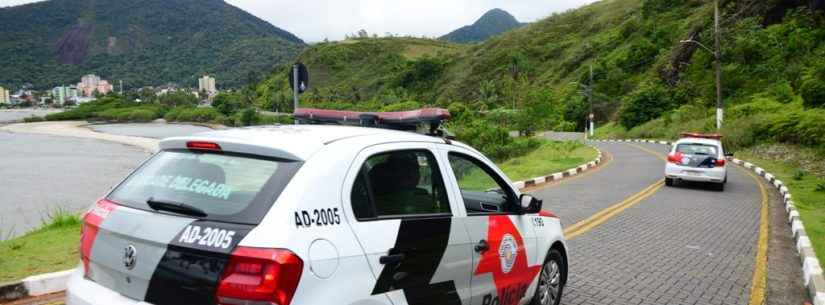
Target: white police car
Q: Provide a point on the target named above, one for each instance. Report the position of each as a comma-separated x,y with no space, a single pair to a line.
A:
310,214
697,158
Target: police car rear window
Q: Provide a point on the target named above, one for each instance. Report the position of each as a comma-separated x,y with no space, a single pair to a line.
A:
697,149
225,187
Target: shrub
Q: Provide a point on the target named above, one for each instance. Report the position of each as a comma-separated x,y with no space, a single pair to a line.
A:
495,141
33,119
813,93
199,115
228,103
402,106
648,102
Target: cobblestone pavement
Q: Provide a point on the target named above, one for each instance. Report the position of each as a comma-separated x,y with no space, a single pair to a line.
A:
681,245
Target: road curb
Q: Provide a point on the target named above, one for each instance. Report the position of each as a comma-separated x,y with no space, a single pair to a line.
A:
812,272
563,174
35,285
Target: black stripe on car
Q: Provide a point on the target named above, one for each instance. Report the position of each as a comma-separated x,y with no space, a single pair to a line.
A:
422,242
190,270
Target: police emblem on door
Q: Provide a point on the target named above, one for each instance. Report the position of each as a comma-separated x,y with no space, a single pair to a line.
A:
508,251
130,257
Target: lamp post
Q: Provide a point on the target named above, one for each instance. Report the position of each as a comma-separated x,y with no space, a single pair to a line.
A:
717,55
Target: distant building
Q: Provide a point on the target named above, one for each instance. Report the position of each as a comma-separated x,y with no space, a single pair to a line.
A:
207,84
91,83
5,97
63,94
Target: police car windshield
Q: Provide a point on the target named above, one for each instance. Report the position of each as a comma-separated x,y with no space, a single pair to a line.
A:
231,188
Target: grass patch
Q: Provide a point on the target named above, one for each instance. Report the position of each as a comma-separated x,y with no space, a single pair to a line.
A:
54,247
809,200
550,157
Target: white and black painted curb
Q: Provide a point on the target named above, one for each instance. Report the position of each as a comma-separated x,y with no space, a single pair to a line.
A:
35,285
561,175
811,269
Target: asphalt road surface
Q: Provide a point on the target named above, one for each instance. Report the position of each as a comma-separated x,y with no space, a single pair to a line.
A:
40,174
667,245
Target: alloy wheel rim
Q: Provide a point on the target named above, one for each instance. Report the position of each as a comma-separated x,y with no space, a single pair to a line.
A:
549,283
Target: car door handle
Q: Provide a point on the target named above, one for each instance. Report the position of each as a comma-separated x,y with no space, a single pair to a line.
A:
482,246
391,259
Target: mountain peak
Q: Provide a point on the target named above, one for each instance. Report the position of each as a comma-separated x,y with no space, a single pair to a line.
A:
493,22
497,14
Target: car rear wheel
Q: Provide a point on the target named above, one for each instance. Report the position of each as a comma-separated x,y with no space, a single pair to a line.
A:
669,181
720,187
551,286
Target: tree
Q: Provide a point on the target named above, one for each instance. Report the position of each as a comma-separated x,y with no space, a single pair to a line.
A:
648,102
228,103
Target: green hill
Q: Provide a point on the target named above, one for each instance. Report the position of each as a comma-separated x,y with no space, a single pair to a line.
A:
494,22
143,42
772,54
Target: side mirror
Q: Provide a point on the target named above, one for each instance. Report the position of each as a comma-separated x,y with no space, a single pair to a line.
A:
529,204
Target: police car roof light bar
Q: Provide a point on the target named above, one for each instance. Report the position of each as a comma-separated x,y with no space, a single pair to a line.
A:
397,120
712,136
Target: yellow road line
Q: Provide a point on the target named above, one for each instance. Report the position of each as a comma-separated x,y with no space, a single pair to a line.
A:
760,273
603,216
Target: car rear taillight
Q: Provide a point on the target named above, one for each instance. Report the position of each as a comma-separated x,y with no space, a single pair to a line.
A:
200,145
720,162
675,158
269,276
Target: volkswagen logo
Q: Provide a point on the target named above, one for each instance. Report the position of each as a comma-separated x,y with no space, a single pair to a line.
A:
130,257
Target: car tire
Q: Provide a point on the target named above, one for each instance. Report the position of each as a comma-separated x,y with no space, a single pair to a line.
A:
551,280
720,187
669,181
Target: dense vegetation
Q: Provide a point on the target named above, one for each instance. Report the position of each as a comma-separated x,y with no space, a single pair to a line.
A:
228,109
145,42
644,79
494,22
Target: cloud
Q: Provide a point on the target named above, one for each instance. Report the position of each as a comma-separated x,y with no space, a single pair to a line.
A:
314,20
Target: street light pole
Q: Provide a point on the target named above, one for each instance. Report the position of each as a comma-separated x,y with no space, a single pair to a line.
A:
590,99
717,56
720,112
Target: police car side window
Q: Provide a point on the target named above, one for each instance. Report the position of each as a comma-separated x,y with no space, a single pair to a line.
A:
482,190
399,184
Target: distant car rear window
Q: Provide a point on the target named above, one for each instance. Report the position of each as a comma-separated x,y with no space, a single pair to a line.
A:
697,149
227,187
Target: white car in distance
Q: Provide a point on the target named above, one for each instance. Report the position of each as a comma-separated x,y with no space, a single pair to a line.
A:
697,158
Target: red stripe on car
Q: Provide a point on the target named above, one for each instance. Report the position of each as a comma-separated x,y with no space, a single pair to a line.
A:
91,225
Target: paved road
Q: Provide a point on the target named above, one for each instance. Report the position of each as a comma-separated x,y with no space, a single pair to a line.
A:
40,174
15,115
151,130
683,245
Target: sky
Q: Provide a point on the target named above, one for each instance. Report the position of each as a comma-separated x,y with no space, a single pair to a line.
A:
315,20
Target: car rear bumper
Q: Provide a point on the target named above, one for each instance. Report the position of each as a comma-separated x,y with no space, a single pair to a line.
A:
714,175
81,291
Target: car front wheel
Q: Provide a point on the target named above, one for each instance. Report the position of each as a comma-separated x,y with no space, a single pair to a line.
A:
550,287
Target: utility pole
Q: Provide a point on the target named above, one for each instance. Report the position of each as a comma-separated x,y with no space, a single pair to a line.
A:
121,87
590,99
720,113
717,55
